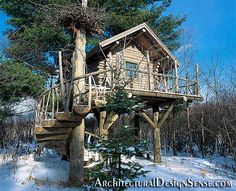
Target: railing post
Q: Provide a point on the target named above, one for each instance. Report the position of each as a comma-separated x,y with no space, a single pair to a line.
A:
43,107
61,73
165,83
176,77
149,70
46,108
53,103
57,99
90,91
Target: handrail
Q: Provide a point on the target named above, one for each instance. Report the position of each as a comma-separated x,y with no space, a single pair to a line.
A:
75,79
53,100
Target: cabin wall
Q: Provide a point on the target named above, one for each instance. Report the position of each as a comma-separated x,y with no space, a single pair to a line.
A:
144,78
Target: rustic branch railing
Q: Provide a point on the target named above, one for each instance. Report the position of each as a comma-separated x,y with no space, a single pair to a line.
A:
162,83
54,100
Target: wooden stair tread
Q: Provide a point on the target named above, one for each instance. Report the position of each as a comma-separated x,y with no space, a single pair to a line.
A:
57,123
82,109
43,137
56,142
67,116
52,130
99,103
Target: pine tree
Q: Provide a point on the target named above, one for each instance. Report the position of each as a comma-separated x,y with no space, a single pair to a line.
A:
122,143
16,82
36,39
117,151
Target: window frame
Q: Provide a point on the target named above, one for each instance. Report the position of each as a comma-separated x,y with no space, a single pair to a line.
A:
131,72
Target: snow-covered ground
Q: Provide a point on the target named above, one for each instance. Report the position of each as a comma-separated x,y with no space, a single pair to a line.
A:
48,172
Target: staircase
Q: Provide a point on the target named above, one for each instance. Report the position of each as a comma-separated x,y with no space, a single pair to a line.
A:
55,133
59,112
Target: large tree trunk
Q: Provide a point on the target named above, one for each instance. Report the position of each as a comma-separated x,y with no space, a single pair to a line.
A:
157,140
79,60
77,141
77,155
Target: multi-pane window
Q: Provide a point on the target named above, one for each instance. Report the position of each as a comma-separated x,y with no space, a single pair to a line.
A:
131,70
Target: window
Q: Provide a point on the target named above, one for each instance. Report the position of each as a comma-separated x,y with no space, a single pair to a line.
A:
131,70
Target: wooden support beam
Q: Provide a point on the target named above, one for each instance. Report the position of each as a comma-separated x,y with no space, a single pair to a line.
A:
156,124
147,118
165,115
92,134
157,139
105,122
111,119
77,155
102,118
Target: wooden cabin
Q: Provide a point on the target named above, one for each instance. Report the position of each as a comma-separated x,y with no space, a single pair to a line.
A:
150,69
136,58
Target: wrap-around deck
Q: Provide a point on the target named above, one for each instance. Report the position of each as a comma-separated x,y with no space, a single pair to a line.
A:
93,94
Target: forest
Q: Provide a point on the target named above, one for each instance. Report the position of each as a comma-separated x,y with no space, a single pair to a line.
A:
38,32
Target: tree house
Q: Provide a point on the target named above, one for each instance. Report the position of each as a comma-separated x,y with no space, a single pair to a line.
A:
136,58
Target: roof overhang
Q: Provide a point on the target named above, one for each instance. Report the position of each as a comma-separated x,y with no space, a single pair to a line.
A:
141,29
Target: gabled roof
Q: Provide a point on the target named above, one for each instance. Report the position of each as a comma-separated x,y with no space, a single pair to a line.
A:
131,32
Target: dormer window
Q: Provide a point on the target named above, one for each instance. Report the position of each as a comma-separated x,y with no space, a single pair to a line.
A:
131,70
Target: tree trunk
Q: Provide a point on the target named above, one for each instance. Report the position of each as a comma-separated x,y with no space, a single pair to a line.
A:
203,135
174,135
103,132
77,141
79,62
157,140
77,155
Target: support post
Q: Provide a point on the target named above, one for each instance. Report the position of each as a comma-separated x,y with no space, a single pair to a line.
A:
77,155
157,139
157,124
102,131
110,120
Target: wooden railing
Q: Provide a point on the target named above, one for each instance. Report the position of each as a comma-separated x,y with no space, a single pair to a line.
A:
54,100
162,83
96,87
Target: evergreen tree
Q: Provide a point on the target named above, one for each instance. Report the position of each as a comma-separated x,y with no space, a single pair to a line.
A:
117,151
35,39
17,81
122,143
